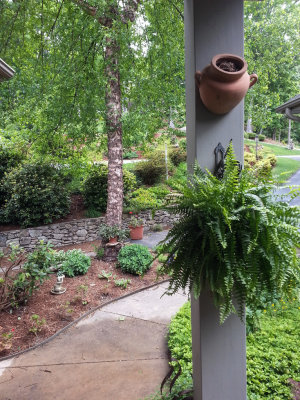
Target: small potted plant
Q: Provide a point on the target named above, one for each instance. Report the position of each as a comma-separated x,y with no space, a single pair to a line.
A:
136,227
112,233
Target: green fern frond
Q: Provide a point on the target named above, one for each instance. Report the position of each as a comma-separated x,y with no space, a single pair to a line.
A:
232,238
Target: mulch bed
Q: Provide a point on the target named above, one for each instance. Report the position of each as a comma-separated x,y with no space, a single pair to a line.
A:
83,293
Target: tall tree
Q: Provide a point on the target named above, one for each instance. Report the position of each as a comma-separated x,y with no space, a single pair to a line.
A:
272,43
112,17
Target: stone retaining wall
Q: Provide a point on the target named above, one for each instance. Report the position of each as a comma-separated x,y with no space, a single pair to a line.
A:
76,231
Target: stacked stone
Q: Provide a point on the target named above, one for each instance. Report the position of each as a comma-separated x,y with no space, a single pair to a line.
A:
77,231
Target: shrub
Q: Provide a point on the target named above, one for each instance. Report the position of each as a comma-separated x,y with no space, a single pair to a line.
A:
75,263
94,188
160,191
17,287
42,257
261,138
182,144
157,228
135,259
272,159
180,176
177,156
251,135
9,159
249,160
180,133
246,135
143,199
130,154
92,213
153,169
36,194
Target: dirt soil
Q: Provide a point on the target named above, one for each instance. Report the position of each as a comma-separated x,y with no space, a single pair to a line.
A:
83,293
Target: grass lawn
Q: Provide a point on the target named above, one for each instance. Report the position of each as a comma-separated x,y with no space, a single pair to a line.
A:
277,150
287,167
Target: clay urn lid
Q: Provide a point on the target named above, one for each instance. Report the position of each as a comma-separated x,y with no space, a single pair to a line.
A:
228,67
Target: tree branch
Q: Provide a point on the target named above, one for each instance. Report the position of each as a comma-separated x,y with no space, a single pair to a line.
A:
129,11
177,9
92,11
56,18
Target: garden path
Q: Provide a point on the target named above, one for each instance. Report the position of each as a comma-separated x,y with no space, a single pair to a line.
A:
117,353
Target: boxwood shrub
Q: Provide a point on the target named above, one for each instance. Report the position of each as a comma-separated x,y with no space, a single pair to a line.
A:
135,259
74,262
35,194
94,187
152,170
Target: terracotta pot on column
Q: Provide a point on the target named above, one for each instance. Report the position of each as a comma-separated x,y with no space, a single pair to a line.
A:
224,83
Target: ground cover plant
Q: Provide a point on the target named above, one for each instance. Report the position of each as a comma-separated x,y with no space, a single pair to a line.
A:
272,351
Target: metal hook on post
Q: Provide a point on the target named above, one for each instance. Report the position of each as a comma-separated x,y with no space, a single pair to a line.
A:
219,161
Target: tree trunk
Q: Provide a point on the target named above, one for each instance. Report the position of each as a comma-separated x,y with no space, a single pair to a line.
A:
114,132
249,125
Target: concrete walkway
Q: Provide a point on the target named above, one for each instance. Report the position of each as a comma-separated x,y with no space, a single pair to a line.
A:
117,353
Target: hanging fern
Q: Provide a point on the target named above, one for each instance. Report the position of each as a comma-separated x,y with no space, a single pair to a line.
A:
234,238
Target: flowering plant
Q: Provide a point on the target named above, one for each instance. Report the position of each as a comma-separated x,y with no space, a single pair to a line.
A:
135,221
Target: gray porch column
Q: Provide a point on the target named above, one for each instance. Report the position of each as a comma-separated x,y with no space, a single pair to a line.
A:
219,352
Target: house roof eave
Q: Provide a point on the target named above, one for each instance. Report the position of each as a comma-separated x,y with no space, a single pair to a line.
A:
6,72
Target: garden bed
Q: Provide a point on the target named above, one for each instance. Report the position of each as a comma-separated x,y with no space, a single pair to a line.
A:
83,293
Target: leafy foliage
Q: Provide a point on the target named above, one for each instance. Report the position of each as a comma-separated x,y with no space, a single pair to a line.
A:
122,283
135,259
107,232
234,238
160,191
9,159
143,199
272,351
74,262
17,287
271,38
95,187
153,169
35,194
177,156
